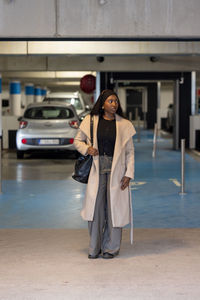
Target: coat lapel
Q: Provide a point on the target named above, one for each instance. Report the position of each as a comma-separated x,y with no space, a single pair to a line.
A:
95,142
124,131
85,127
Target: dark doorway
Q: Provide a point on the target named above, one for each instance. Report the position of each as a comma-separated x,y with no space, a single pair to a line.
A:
134,104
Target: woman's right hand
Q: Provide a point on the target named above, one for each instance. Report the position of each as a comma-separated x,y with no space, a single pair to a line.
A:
92,151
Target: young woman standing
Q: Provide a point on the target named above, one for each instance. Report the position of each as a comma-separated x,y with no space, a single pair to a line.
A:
107,206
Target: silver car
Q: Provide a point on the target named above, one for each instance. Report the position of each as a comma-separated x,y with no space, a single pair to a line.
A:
70,98
47,126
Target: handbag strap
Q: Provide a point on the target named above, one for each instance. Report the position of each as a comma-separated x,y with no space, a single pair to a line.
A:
91,129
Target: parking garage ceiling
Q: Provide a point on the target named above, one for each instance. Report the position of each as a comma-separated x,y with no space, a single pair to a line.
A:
50,62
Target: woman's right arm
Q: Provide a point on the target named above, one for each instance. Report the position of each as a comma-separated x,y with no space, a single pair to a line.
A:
80,142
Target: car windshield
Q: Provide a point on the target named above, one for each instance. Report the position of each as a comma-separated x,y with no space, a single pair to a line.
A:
50,112
69,100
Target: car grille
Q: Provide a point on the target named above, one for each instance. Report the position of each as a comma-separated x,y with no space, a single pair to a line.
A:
36,141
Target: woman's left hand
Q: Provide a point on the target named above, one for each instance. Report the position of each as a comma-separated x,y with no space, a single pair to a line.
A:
125,182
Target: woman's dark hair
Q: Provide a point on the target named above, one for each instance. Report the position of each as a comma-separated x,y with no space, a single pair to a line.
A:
97,108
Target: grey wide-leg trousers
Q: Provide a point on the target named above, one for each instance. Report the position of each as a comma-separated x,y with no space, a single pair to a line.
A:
103,236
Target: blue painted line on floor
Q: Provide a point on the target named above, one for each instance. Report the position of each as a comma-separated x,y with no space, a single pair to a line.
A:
44,203
156,204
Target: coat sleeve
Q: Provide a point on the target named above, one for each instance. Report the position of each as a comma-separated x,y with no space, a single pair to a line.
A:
130,159
80,142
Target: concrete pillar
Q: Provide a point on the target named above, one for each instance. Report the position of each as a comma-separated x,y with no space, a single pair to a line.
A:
0,107
15,98
193,93
43,92
29,92
98,86
38,94
158,104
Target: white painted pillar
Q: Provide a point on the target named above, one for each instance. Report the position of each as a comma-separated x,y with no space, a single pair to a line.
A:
193,93
29,92
98,84
158,104
15,98
43,92
37,93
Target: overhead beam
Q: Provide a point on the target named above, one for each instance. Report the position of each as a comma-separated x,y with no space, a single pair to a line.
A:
99,48
13,48
113,48
90,63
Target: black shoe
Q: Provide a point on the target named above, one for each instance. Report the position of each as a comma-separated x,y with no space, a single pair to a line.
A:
90,256
108,255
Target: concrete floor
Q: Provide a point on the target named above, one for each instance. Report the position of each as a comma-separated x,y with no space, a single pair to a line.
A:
43,241
51,264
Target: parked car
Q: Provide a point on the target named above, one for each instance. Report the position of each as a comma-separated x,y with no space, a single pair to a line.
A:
70,98
47,126
84,113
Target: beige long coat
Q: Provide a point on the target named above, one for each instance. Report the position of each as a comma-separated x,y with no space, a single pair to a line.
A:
123,165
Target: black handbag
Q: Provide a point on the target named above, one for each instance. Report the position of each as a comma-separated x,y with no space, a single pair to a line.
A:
83,163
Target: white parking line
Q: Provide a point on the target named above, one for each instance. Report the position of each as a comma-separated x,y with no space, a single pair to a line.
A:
175,181
134,184
137,182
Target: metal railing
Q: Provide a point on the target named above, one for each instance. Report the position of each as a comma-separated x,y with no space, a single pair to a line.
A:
155,140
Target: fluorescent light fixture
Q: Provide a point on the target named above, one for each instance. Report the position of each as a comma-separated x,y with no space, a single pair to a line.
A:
65,83
49,74
73,74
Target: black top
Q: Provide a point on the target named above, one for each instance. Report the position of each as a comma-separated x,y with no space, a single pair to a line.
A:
106,135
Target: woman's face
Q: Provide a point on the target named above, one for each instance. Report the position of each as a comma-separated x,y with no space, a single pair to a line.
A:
111,104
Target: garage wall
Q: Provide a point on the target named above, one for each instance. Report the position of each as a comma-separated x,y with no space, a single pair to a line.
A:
27,18
99,18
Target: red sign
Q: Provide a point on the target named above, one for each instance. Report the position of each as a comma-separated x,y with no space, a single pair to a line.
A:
88,84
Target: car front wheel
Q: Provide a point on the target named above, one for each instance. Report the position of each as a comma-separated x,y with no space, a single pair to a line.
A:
20,154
